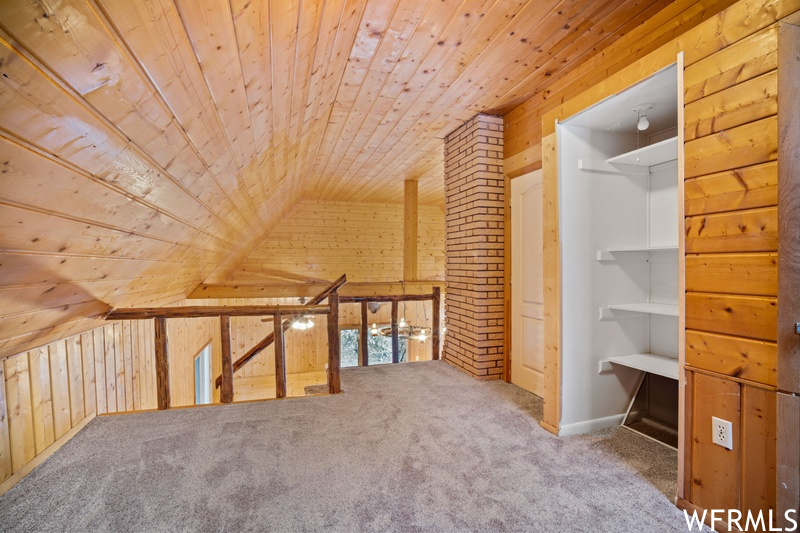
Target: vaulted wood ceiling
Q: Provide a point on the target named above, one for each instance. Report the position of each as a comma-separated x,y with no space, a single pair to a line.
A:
145,143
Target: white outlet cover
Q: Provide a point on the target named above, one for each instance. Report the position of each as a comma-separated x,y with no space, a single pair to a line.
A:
722,432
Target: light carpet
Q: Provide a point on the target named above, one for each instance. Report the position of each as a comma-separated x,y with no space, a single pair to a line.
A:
408,447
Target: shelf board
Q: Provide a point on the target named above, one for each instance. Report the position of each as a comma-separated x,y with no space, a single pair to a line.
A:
649,156
642,252
649,362
647,308
644,249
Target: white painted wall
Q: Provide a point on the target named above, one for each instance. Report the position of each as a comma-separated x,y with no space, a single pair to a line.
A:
602,211
598,211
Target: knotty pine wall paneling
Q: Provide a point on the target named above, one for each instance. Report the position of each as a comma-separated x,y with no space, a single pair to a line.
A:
731,149
323,240
49,393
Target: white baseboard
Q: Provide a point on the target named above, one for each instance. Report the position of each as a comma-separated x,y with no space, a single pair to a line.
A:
588,426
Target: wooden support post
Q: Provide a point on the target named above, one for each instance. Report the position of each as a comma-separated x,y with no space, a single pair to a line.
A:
226,388
410,231
363,352
162,363
436,328
334,346
395,334
280,357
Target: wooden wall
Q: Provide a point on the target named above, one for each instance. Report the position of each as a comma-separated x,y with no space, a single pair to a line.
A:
47,394
731,148
323,240
731,230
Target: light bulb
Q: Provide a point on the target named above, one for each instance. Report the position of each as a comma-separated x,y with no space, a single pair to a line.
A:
374,330
422,337
402,323
643,123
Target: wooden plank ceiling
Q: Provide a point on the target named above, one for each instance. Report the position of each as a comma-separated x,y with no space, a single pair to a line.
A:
144,144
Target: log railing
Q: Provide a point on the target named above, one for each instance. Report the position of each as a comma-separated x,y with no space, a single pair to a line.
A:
269,339
436,300
278,312
282,316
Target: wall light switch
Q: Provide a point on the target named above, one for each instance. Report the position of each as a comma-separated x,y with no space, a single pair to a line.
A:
722,432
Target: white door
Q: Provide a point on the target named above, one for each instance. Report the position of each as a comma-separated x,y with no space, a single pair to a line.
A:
527,309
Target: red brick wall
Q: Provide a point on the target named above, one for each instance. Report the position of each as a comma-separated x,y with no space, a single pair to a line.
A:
474,205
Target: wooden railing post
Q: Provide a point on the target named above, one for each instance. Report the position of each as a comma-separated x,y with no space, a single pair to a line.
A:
226,388
162,363
280,357
334,345
395,334
363,352
436,329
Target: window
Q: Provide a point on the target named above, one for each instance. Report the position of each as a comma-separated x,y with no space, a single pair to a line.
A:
349,338
202,376
380,348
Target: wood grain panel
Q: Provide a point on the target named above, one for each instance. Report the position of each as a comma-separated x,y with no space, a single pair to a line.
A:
552,286
19,412
789,211
59,384
788,455
747,274
741,104
109,353
715,470
732,65
733,190
740,231
119,367
320,240
41,398
758,451
75,380
98,339
746,316
751,144
88,381
733,356
5,443
36,182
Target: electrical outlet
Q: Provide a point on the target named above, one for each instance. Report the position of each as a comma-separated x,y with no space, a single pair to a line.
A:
722,432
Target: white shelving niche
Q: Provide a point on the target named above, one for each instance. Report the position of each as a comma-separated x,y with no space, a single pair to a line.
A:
620,247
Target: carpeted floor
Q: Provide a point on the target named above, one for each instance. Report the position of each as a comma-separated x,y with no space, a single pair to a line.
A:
411,447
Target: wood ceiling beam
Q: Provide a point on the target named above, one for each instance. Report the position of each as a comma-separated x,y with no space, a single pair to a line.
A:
296,290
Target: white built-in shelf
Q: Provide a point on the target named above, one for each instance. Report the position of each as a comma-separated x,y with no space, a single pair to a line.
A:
649,156
649,362
642,252
639,308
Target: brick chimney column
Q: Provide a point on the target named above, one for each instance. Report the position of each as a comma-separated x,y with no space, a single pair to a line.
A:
474,210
